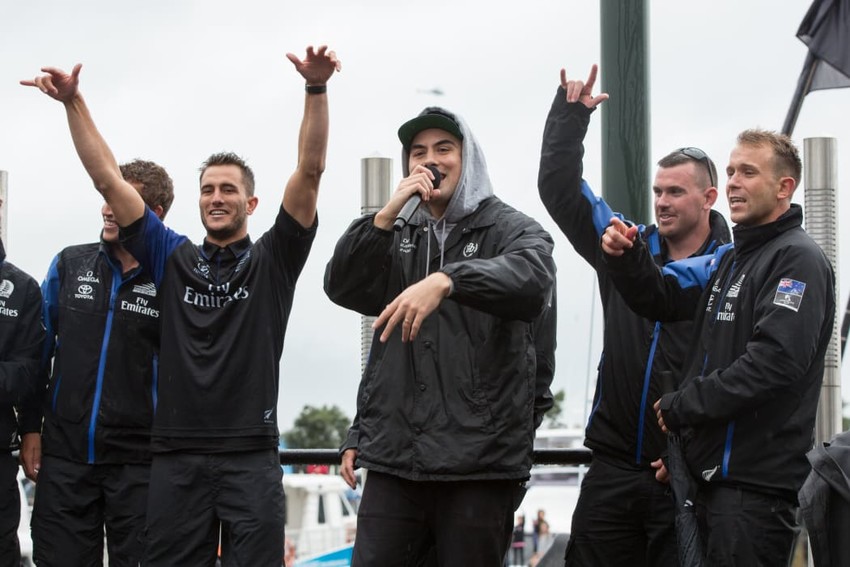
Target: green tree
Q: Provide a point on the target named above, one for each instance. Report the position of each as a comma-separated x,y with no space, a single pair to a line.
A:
318,428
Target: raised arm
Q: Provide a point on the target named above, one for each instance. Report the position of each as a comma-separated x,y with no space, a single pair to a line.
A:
126,203
302,190
581,215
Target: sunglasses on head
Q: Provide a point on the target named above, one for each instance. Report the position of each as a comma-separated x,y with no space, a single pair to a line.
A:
702,157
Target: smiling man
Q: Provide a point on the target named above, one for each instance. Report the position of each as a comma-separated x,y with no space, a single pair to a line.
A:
624,516
446,406
225,306
753,373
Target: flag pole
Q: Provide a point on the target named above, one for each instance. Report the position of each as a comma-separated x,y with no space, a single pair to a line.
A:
803,84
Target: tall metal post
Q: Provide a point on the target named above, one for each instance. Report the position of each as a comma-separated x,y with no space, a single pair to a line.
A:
4,215
624,68
376,176
821,201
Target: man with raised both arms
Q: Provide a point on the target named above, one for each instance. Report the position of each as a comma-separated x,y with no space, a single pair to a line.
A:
225,305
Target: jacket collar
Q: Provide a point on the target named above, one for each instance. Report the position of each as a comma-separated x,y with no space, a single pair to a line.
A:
234,249
748,238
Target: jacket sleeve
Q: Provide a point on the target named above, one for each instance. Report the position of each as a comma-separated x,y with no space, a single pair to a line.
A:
21,369
669,293
358,274
778,356
581,215
545,331
515,283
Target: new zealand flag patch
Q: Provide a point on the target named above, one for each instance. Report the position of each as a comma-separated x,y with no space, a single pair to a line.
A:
789,293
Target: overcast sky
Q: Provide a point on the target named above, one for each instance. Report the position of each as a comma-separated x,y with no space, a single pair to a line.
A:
176,80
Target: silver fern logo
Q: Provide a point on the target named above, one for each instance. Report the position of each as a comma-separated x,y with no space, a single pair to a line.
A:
145,289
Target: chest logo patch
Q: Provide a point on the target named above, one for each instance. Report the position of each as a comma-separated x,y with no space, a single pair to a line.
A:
406,246
789,294
7,288
470,249
145,289
85,291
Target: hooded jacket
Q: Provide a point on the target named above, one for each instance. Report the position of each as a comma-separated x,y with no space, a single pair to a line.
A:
638,354
458,402
103,337
755,365
21,342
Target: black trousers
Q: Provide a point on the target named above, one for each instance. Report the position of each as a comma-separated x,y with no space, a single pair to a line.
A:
402,522
10,517
623,518
744,528
194,498
75,502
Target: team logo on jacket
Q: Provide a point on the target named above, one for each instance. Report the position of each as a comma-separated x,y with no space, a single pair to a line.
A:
789,293
735,288
7,288
145,289
470,249
709,473
406,246
85,291
89,277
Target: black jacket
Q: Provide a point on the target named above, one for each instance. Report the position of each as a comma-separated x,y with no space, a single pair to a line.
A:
103,335
21,343
636,351
458,402
825,502
755,367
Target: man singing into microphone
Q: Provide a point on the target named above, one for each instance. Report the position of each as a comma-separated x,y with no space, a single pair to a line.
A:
446,406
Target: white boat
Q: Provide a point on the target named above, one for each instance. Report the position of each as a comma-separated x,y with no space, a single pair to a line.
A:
320,516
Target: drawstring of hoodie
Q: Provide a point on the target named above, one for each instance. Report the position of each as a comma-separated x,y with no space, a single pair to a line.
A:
441,240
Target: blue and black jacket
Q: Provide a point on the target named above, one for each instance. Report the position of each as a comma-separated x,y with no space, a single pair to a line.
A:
637,351
103,339
21,340
763,314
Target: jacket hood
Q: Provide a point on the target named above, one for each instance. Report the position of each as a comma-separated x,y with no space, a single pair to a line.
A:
474,185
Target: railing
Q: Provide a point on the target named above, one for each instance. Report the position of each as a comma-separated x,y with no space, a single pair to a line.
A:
576,456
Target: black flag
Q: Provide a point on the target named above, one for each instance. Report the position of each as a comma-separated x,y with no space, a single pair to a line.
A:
825,30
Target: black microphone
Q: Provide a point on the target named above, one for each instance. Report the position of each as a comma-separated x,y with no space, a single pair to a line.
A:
406,212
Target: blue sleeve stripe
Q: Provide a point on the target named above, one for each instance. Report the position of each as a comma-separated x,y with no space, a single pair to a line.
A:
600,211
159,242
697,270
49,306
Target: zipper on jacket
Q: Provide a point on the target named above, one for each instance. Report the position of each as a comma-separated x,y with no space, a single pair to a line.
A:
656,332
117,281
730,427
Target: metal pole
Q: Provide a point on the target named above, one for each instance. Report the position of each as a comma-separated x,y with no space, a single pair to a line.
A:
376,175
4,191
821,201
624,68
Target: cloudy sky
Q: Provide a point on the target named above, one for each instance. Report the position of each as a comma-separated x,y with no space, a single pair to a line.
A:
175,80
